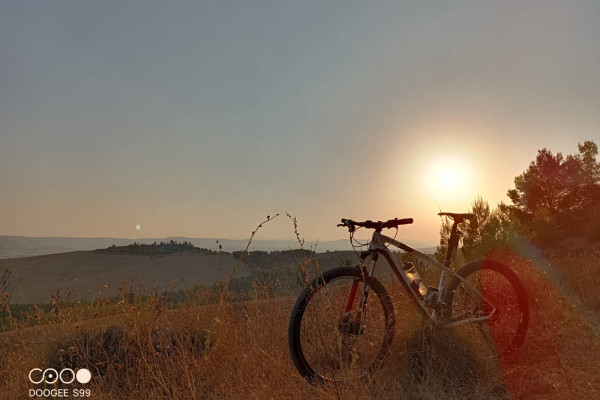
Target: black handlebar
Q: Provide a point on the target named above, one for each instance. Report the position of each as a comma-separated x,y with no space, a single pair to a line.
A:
378,225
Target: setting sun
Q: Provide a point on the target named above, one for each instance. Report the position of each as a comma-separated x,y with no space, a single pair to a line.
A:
449,179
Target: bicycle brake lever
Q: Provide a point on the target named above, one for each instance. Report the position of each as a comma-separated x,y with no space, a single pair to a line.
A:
349,223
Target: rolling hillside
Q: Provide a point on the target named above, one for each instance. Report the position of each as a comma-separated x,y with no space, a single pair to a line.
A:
22,246
84,274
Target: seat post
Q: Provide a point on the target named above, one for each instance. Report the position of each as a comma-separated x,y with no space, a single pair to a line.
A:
452,243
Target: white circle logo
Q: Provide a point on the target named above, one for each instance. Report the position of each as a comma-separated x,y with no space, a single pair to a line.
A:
84,376
31,379
51,376
64,379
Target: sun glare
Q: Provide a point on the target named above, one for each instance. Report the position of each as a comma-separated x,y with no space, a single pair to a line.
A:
449,179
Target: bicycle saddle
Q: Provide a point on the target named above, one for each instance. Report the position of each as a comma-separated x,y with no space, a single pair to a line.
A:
457,217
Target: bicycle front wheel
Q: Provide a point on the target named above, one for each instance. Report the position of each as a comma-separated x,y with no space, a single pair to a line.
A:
331,336
491,311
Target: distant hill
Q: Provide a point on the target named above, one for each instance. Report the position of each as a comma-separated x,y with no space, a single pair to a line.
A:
22,246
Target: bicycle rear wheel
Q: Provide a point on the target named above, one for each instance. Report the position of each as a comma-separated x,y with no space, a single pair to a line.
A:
331,339
494,290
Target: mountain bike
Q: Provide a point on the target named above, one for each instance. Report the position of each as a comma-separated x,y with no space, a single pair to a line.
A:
343,322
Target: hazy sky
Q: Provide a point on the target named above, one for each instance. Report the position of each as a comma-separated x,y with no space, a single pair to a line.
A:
200,118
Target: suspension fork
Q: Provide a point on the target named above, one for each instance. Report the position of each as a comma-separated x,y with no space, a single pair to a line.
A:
363,302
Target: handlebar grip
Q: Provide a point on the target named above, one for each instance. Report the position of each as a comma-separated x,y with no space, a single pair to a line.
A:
348,223
405,221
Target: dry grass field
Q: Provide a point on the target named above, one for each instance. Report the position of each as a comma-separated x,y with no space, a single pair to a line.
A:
238,350
576,265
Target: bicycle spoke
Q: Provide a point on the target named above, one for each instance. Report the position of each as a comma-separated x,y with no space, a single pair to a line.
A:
337,342
494,297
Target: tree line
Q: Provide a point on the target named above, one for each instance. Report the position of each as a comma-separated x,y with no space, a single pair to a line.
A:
162,248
